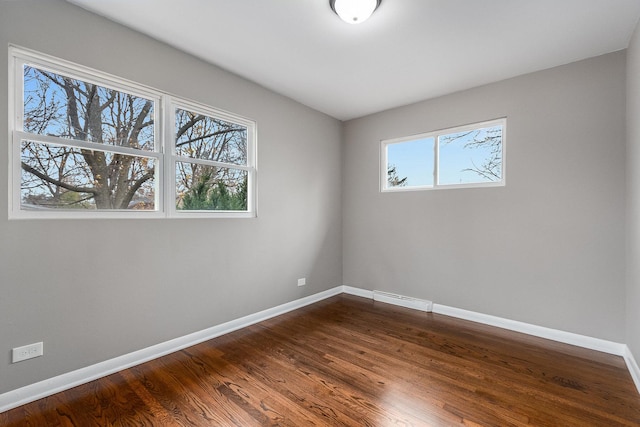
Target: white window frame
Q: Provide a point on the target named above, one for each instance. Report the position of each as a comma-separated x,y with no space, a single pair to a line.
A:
164,142
384,144
171,158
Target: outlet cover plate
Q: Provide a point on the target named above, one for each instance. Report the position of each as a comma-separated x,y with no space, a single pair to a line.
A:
27,352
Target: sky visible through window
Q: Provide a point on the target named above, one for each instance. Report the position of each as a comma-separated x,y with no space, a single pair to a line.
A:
471,156
413,160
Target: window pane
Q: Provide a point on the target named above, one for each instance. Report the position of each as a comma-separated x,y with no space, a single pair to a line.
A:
410,163
207,138
60,106
210,188
473,156
59,177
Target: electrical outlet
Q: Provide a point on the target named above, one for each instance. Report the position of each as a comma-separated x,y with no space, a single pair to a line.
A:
27,352
302,282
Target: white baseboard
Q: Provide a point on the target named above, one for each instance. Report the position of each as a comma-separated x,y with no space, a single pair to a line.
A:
357,292
632,365
537,331
32,392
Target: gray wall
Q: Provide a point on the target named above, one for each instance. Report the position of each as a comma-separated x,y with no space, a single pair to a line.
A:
548,248
633,195
96,289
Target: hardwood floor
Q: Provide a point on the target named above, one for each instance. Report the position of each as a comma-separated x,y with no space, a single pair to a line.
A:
354,362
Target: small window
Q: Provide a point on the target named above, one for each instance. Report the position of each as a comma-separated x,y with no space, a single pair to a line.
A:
85,144
466,156
212,161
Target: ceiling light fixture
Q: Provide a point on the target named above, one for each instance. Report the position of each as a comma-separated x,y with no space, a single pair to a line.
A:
354,11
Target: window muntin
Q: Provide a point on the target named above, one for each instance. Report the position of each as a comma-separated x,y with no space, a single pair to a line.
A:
466,156
89,145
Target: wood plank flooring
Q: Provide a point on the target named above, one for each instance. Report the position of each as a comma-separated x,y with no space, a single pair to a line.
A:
349,361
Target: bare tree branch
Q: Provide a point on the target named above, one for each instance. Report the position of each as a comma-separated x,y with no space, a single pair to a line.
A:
210,135
56,182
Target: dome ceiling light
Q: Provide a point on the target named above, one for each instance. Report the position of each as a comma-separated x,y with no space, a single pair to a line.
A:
354,11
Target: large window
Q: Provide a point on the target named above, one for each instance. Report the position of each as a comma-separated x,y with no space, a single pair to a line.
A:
466,156
86,144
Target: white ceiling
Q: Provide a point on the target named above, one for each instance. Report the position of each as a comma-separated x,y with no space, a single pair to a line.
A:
409,50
